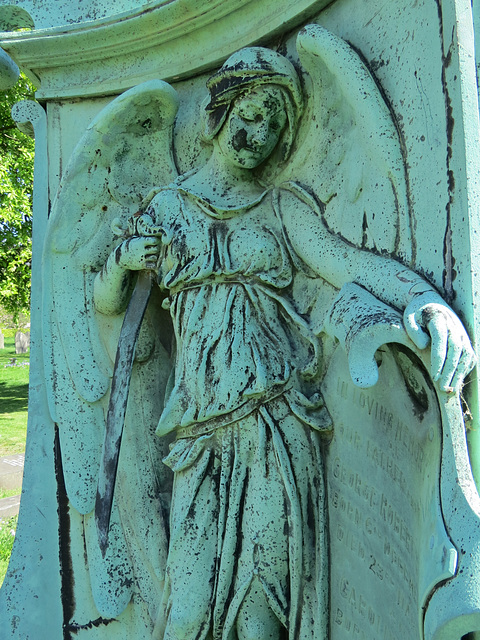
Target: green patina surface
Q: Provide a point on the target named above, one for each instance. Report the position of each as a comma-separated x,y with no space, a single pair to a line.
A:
284,207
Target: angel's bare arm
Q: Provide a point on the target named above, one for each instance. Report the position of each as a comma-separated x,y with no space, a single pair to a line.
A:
426,316
114,283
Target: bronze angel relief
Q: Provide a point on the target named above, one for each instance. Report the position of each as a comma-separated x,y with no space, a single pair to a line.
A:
218,526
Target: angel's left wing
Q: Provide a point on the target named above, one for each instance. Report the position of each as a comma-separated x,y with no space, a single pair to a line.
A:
125,152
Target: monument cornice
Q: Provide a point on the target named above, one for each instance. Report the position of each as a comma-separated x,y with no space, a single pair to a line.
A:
119,51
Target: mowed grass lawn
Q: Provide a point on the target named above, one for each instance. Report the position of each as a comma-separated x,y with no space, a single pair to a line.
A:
13,429
13,399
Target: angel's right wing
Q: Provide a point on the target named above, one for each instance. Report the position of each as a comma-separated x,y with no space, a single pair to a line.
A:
125,152
348,155
349,151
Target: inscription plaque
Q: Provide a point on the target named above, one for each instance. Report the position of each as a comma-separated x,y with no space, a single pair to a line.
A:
384,504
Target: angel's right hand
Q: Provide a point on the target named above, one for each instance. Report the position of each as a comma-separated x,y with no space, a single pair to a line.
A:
138,253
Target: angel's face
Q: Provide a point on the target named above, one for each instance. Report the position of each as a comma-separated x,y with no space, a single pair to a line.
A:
253,127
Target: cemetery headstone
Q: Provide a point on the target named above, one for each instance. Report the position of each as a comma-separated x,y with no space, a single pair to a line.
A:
22,342
253,318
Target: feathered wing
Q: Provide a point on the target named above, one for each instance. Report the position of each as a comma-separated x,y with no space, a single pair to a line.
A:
349,152
125,152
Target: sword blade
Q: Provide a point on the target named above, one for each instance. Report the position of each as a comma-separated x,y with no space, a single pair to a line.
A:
118,405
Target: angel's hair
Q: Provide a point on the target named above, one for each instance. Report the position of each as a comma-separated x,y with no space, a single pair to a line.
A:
248,69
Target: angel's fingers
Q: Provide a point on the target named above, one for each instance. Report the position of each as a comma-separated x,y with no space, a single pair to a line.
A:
450,366
439,336
151,243
154,252
465,365
415,332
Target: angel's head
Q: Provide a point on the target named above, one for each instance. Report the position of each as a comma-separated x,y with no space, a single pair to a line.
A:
254,107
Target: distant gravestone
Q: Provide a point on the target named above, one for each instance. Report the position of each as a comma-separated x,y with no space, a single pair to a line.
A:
22,342
2,341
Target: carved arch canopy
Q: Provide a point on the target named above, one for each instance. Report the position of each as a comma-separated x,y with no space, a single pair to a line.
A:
170,40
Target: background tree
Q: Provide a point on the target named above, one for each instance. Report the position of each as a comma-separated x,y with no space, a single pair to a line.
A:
16,188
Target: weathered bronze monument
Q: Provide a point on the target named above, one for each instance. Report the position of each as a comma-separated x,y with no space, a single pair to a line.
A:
248,400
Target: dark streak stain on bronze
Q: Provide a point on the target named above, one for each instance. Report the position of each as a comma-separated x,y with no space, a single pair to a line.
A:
448,260
66,568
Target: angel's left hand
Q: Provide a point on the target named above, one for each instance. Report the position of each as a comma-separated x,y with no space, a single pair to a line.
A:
428,319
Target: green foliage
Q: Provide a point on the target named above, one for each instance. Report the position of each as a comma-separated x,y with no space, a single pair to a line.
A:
7,537
10,493
9,324
16,187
